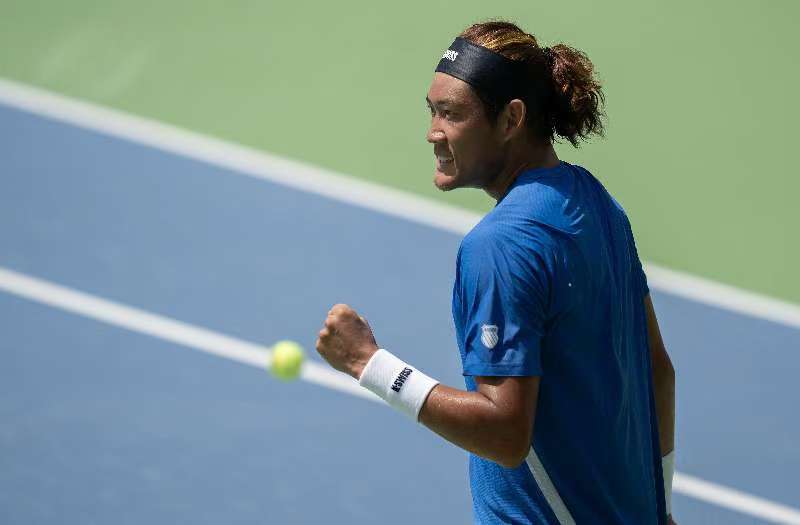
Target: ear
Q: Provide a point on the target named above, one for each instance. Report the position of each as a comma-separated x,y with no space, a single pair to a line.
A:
512,119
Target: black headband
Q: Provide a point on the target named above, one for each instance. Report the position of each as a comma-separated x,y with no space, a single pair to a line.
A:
490,73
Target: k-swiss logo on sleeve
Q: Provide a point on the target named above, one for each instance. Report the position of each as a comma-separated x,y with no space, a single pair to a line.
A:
489,336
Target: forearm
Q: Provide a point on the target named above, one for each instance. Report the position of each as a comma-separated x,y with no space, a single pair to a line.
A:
494,421
476,423
664,386
664,394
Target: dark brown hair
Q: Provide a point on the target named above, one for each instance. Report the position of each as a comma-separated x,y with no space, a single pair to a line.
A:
562,95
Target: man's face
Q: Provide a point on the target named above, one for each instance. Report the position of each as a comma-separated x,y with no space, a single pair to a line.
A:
467,150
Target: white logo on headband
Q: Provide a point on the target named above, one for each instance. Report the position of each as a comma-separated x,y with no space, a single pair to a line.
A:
450,55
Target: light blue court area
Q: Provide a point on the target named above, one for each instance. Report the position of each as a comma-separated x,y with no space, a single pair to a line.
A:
99,424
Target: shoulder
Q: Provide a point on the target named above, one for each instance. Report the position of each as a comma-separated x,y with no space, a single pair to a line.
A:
498,236
556,198
514,225
509,252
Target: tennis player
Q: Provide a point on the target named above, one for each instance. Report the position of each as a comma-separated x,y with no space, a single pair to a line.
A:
568,411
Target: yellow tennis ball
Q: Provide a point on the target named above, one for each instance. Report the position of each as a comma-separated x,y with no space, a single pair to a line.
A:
287,359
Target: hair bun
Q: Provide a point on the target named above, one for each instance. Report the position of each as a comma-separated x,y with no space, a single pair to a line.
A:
563,96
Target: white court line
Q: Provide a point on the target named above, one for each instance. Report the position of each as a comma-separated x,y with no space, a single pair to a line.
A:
161,327
734,499
204,340
347,189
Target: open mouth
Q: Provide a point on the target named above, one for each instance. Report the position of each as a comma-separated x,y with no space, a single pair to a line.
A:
443,161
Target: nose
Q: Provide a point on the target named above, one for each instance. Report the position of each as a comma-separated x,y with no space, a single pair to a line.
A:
434,133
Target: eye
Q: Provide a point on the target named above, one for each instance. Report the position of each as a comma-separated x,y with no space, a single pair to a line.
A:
449,115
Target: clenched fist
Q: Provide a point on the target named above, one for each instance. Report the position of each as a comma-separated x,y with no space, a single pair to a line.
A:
346,341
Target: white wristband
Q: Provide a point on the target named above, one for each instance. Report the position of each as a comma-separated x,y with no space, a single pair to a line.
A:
396,382
668,467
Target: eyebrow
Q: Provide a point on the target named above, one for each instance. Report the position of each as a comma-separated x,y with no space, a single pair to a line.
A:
445,102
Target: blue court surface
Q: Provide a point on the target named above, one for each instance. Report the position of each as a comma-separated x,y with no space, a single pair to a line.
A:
101,424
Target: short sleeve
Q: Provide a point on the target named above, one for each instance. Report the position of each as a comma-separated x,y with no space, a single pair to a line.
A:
502,290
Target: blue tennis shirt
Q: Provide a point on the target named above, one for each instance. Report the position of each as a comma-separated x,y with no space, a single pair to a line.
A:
549,284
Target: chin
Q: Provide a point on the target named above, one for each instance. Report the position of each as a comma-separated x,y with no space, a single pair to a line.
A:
445,182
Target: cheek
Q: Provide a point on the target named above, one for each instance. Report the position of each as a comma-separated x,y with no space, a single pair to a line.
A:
462,144
470,149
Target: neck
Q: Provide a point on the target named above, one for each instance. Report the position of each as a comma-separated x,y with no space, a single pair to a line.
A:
527,158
